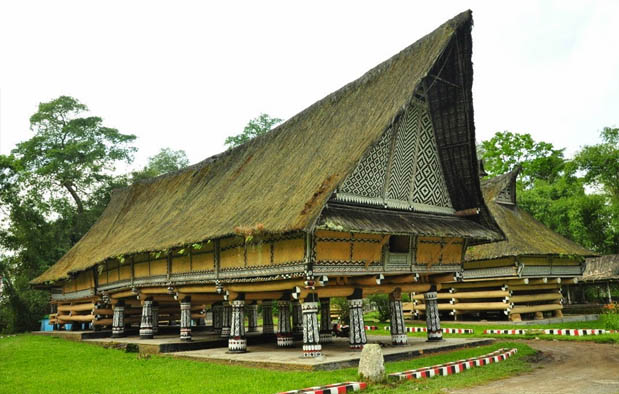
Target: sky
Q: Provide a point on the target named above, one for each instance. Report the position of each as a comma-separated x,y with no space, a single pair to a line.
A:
187,74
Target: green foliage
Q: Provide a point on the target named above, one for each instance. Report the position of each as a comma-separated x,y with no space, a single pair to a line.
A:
342,304
554,190
257,126
167,160
53,187
601,162
539,160
382,305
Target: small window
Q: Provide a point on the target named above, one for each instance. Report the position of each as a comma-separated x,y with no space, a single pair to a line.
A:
399,244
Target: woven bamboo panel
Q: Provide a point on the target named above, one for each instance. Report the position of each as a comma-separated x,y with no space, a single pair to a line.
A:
159,267
452,251
232,258
180,264
203,262
102,278
332,251
428,253
285,251
125,272
505,262
365,251
84,281
332,234
258,254
141,270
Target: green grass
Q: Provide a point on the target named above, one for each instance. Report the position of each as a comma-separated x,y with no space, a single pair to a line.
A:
479,329
38,364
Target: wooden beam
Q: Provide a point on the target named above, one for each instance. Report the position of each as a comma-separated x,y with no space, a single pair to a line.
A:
123,294
201,298
536,297
536,308
443,278
409,278
266,286
535,287
479,294
197,289
370,280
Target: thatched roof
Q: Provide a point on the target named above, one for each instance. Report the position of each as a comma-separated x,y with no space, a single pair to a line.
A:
524,234
602,268
281,181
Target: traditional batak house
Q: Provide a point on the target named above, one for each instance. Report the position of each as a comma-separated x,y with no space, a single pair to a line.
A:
373,189
521,275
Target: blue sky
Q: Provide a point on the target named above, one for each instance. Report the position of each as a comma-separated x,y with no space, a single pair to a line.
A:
187,74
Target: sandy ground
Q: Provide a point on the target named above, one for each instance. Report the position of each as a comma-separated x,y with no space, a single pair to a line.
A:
564,367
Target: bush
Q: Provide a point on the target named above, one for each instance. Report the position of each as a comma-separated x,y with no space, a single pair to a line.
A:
610,317
382,305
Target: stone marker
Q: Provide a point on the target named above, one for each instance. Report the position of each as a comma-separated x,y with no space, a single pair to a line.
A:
372,363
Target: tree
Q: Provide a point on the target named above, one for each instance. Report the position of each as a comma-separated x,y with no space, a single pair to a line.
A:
257,126
553,189
539,160
167,160
601,162
52,189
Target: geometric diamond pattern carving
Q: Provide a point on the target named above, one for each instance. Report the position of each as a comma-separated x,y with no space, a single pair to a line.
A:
403,156
368,178
414,174
429,184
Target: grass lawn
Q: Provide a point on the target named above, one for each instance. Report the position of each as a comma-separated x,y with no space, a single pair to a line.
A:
479,329
38,364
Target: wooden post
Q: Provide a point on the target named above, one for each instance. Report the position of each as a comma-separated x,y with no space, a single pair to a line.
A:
118,321
357,338
218,311
433,321
398,328
311,336
267,317
326,336
297,320
186,319
284,333
237,343
252,317
225,321
146,323
155,309
610,297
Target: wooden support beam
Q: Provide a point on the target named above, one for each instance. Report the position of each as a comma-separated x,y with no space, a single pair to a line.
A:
123,294
535,287
266,295
77,318
536,308
266,286
201,298
370,280
479,294
443,278
538,281
154,290
408,278
196,289
481,306
536,297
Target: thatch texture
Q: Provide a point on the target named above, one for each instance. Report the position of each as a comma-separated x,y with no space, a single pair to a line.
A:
602,268
278,182
524,234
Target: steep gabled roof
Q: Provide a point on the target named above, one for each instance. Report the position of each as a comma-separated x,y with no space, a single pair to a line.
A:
602,268
281,181
524,234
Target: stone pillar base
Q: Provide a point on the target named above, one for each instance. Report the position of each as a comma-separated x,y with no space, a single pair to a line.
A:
399,339
186,334
146,333
312,350
118,334
356,346
285,340
237,345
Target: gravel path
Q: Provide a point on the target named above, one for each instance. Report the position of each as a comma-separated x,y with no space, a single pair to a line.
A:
564,367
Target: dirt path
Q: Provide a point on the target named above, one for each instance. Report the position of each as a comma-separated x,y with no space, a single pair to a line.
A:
565,367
